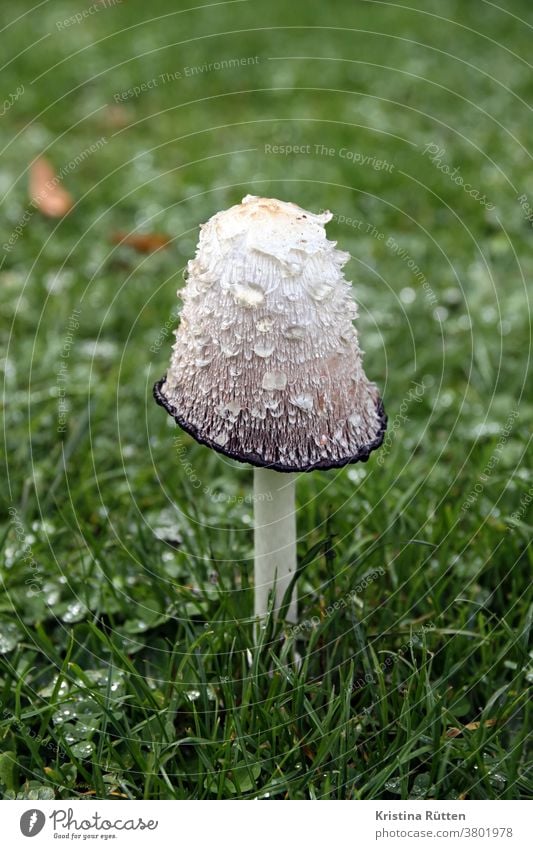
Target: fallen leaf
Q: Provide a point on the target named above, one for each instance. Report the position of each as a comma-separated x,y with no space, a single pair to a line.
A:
46,192
145,243
471,726
453,732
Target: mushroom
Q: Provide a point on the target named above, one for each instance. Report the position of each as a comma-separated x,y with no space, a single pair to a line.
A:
267,369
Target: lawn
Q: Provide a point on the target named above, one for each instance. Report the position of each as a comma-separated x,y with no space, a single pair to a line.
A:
127,660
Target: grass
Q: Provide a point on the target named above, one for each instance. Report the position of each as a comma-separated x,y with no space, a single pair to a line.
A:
127,665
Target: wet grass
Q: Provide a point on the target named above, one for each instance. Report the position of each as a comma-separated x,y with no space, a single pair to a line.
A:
127,665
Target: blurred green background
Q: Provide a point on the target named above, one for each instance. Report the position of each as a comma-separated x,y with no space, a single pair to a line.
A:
128,668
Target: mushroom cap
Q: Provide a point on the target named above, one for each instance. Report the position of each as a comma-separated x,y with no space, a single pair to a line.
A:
266,367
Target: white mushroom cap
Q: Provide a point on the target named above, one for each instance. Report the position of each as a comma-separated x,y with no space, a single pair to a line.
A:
266,366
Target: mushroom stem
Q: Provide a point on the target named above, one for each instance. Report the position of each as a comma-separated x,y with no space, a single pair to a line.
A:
274,539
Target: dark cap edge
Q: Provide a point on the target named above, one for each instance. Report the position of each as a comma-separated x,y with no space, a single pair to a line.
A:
254,459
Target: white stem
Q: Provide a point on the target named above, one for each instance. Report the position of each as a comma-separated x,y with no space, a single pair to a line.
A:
274,539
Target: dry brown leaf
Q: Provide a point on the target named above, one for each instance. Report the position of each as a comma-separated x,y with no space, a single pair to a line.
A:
471,726
46,192
144,243
453,732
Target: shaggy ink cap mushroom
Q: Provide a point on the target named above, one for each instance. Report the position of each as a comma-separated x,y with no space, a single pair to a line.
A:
266,367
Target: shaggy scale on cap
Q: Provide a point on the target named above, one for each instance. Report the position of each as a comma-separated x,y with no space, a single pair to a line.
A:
266,367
